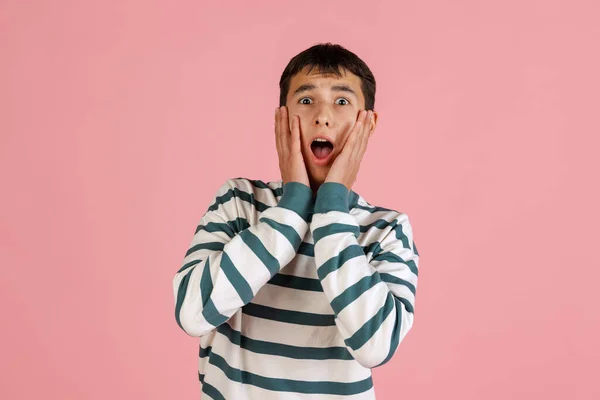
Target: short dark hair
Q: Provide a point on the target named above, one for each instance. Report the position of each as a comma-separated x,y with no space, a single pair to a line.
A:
329,58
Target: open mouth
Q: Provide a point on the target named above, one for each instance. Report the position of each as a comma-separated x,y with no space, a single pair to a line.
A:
321,148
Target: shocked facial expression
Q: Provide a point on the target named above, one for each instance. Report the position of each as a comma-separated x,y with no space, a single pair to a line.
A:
328,107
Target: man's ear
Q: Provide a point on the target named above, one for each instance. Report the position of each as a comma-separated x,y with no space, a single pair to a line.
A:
373,123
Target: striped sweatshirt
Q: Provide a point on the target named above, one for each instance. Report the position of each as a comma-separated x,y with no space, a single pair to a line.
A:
295,295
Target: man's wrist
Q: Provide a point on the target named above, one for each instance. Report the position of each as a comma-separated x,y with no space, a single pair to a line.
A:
332,196
297,197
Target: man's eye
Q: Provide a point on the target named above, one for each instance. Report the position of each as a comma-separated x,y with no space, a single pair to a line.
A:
306,98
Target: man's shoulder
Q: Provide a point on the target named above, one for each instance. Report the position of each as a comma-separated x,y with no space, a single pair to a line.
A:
256,193
368,207
379,216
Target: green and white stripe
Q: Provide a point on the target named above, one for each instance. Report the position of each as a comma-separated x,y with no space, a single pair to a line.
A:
294,296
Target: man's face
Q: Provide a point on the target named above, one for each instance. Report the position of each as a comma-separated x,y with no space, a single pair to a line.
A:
325,109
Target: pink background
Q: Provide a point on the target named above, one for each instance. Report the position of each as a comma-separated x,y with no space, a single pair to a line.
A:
120,119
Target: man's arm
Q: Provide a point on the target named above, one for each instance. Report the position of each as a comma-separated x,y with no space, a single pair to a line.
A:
229,261
373,302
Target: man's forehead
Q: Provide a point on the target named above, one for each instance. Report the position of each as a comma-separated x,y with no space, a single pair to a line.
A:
325,79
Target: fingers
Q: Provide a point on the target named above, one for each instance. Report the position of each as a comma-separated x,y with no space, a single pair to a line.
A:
361,124
365,134
356,130
277,139
295,135
290,131
287,140
366,125
284,130
356,141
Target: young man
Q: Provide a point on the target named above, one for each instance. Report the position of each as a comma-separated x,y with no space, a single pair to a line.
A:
297,288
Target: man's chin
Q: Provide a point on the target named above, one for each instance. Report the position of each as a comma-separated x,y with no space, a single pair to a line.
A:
316,174
315,183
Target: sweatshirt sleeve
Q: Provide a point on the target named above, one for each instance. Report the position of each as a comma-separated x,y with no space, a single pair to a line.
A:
228,261
373,301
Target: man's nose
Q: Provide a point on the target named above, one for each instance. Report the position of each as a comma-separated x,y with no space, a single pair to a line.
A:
323,118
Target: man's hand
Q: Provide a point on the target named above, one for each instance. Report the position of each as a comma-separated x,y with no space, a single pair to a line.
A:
291,162
345,167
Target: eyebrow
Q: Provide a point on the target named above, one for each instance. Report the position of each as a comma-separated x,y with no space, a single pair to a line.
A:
336,88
